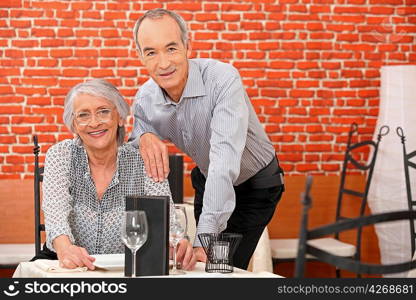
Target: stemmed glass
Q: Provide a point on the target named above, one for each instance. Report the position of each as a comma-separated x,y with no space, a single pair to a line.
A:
134,230
177,232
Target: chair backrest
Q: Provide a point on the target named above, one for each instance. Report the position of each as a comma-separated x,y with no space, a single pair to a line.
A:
175,177
38,178
407,166
345,263
369,168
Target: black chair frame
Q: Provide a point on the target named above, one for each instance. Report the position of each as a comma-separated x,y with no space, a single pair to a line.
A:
38,178
348,158
349,264
407,165
384,130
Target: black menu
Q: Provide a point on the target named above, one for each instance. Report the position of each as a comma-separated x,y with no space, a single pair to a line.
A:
152,259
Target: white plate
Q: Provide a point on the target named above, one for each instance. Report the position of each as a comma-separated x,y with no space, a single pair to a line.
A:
109,261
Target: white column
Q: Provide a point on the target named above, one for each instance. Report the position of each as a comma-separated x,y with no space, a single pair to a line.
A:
388,188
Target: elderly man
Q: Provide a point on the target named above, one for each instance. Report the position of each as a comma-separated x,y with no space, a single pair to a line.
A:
201,106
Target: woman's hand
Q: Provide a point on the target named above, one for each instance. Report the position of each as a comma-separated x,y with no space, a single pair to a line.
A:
71,256
185,255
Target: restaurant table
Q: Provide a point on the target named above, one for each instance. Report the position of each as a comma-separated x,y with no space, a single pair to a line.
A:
261,261
31,270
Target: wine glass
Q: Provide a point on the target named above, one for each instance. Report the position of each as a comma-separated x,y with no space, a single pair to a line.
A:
177,232
134,230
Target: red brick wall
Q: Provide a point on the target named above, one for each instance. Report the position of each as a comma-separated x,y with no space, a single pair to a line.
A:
311,67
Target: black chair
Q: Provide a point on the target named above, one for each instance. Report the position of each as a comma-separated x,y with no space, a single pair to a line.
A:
362,196
38,178
285,250
345,263
175,177
407,166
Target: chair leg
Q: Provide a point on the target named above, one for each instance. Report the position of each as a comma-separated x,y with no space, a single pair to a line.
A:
338,273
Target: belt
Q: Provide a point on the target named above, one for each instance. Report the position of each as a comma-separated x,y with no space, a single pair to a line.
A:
270,176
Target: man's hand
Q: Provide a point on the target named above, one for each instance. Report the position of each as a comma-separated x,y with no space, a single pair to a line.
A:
185,255
155,156
73,256
200,254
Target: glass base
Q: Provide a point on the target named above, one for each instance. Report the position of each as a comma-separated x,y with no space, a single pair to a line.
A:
176,272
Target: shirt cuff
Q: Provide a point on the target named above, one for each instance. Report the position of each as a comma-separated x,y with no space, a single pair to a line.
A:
52,235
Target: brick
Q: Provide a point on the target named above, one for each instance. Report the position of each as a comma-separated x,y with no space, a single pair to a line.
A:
6,90
368,93
254,16
259,35
236,7
26,119
41,72
234,36
297,93
230,17
268,45
206,17
272,93
282,65
79,63
69,82
206,35
61,52
102,73
10,110
40,81
114,52
275,83
11,99
91,24
75,72
39,101
306,83
249,64
318,147
256,55
7,139
21,130
86,53
382,10
307,65
46,128
9,71
251,26
47,62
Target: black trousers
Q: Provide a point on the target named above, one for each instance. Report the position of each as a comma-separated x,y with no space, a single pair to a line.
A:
253,211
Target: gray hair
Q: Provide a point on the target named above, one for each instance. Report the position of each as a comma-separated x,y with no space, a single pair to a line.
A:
159,13
97,88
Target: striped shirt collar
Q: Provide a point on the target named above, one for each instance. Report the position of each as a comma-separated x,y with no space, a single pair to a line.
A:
194,87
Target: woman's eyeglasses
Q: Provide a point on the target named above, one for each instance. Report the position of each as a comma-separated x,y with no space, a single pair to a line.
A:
83,118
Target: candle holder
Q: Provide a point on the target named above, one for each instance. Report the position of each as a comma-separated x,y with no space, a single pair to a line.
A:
220,248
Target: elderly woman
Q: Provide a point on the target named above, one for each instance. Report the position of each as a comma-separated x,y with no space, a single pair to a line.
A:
87,178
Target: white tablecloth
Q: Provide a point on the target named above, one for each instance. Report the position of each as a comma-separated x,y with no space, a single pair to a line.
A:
30,270
261,261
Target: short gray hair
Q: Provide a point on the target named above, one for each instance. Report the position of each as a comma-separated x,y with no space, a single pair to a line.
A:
159,13
97,88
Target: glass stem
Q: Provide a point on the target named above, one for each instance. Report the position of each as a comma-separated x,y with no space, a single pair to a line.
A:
133,269
174,256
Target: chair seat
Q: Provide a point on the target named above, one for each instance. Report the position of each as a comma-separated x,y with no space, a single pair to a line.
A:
13,254
288,248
